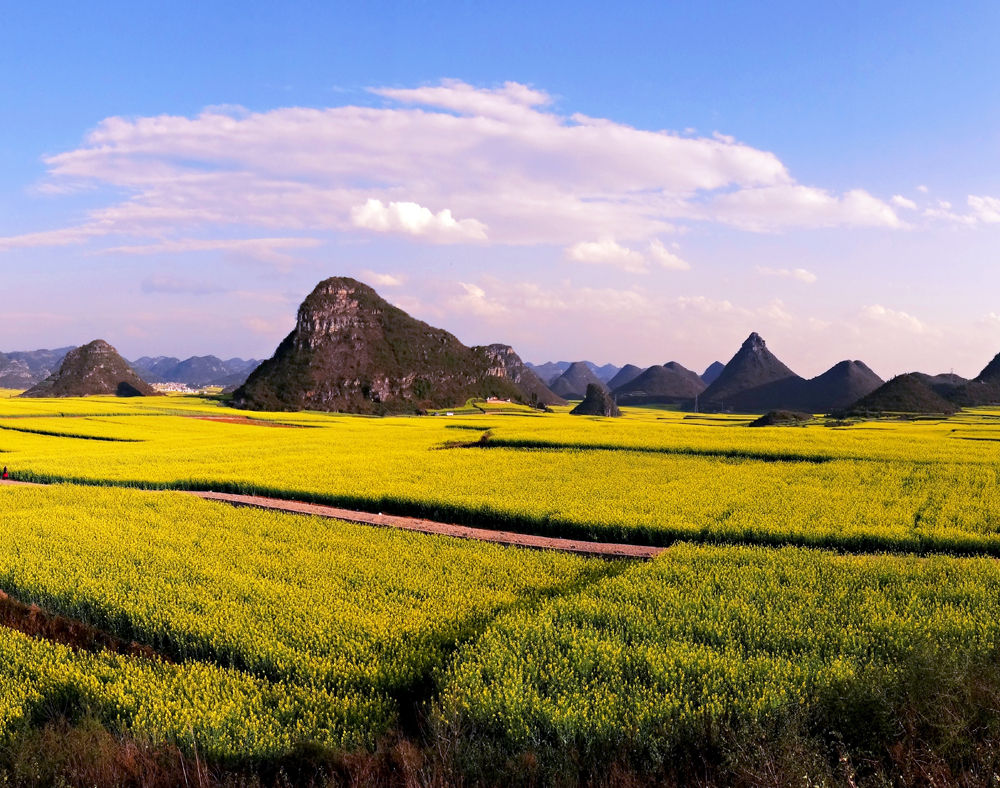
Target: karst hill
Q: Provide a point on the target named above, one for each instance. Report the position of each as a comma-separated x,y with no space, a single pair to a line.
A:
93,369
352,351
667,384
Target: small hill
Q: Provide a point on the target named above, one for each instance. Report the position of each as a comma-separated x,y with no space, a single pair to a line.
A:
984,389
753,367
626,374
712,372
96,368
902,394
506,363
353,351
669,384
942,382
843,384
782,418
596,402
572,384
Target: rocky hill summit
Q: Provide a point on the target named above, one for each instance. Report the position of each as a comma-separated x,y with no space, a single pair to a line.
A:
95,368
596,402
506,363
352,351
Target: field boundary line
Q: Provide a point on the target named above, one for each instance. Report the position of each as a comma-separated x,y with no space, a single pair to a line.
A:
418,525
509,538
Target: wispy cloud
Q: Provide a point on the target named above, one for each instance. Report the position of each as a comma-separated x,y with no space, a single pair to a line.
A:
607,251
799,274
271,250
892,318
441,164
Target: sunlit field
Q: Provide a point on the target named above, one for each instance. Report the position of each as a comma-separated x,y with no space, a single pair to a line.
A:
824,582
652,477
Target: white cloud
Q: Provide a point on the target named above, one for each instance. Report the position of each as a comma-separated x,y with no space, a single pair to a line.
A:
664,258
892,318
771,208
982,210
922,189
410,218
903,202
799,274
501,155
985,209
382,280
473,299
608,252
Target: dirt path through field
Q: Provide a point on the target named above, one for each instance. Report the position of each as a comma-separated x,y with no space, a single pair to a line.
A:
601,549
511,538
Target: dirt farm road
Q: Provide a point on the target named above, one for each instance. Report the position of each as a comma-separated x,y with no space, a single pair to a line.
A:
509,538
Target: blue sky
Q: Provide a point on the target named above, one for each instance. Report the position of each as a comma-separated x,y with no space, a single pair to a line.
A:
631,183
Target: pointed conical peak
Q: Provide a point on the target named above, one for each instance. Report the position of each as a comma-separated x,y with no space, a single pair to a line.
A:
754,342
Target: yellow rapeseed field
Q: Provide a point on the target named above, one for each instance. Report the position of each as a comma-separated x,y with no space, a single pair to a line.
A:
286,630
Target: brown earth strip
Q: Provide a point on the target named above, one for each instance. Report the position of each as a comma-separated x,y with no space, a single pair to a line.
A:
245,420
598,549
38,623
510,538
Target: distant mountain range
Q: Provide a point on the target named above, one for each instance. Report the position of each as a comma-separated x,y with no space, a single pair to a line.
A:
551,370
757,381
24,369
353,351
196,372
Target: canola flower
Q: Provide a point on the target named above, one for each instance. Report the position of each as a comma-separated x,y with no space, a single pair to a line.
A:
654,476
705,637
306,626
